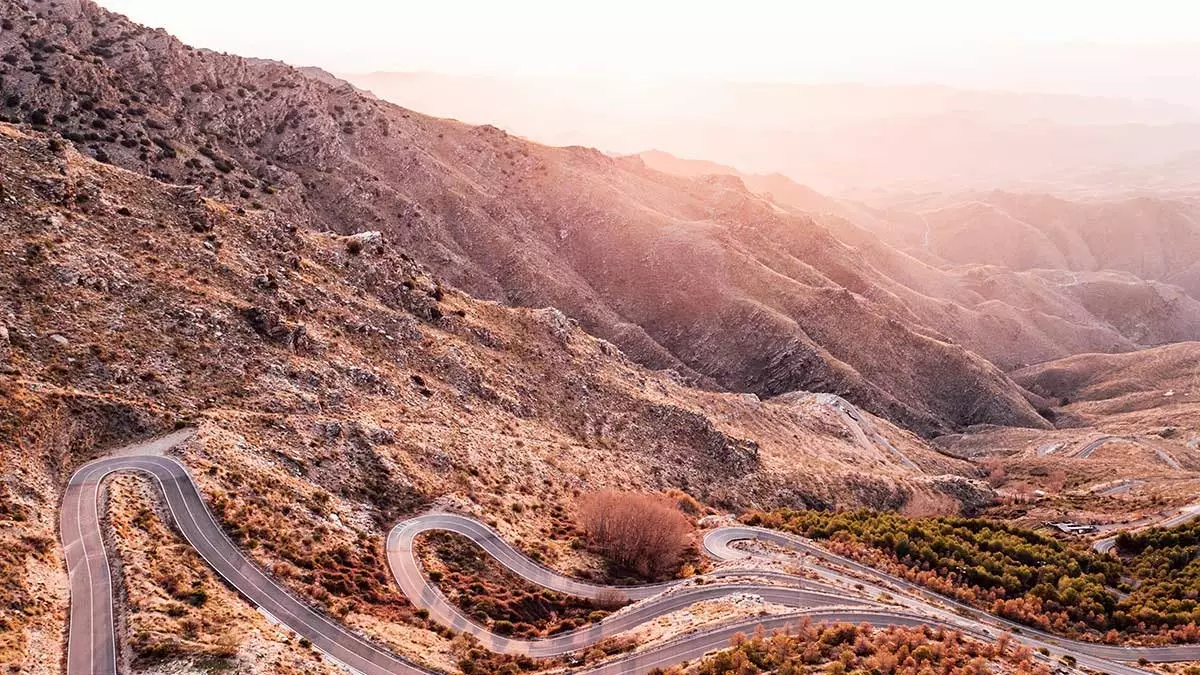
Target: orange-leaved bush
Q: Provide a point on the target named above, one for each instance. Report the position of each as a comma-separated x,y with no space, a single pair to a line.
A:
643,533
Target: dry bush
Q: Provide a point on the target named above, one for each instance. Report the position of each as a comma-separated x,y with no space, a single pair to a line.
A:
643,533
686,503
1056,481
610,599
996,474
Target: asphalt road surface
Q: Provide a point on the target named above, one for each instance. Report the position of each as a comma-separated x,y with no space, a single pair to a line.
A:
91,648
92,643
1184,515
1091,447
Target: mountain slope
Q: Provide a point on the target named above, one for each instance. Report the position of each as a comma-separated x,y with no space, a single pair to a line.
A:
696,275
1097,377
335,386
1013,315
1154,238
1152,394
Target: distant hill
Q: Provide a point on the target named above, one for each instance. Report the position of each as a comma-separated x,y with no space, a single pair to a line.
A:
1152,238
1028,301
1173,369
837,137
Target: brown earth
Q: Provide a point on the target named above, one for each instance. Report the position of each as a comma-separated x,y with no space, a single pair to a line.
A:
1145,403
174,608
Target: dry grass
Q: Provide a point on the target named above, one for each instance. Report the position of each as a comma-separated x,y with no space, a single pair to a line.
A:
36,438
176,609
506,603
845,648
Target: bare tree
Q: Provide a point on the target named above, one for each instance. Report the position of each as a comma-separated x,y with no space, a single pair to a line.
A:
610,599
645,533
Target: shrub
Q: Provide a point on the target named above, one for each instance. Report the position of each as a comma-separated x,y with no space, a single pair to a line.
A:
640,532
611,599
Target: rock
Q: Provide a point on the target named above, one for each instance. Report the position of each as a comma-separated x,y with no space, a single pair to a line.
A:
3,335
357,243
66,276
271,326
558,322
60,339
266,281
973,494
609,349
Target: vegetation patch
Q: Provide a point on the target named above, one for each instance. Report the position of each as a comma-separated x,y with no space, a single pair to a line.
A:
507,604
172,613
845,648
345,572
1166,565
1022,575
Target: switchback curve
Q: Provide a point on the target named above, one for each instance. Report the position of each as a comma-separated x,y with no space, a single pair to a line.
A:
92,640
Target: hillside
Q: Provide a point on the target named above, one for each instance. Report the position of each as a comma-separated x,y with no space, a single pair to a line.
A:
1013,316
1150,237
335,385
1094,377
697,275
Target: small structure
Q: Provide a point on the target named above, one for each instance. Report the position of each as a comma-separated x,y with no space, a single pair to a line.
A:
1074,528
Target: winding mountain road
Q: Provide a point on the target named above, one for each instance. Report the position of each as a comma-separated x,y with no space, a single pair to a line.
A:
92,643
1184,515
1087,450
864,432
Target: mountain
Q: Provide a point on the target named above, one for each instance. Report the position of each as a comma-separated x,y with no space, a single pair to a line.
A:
1149,400
1167,371
697,275
1151,237
342,313
838,137
330,374
1016,299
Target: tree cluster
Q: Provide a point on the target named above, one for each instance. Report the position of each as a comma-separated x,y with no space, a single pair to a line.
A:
846,648
1026,576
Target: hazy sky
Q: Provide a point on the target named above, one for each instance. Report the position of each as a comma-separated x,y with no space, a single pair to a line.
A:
779,40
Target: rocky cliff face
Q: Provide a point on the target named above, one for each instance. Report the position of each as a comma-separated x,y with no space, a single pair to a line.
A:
696,275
